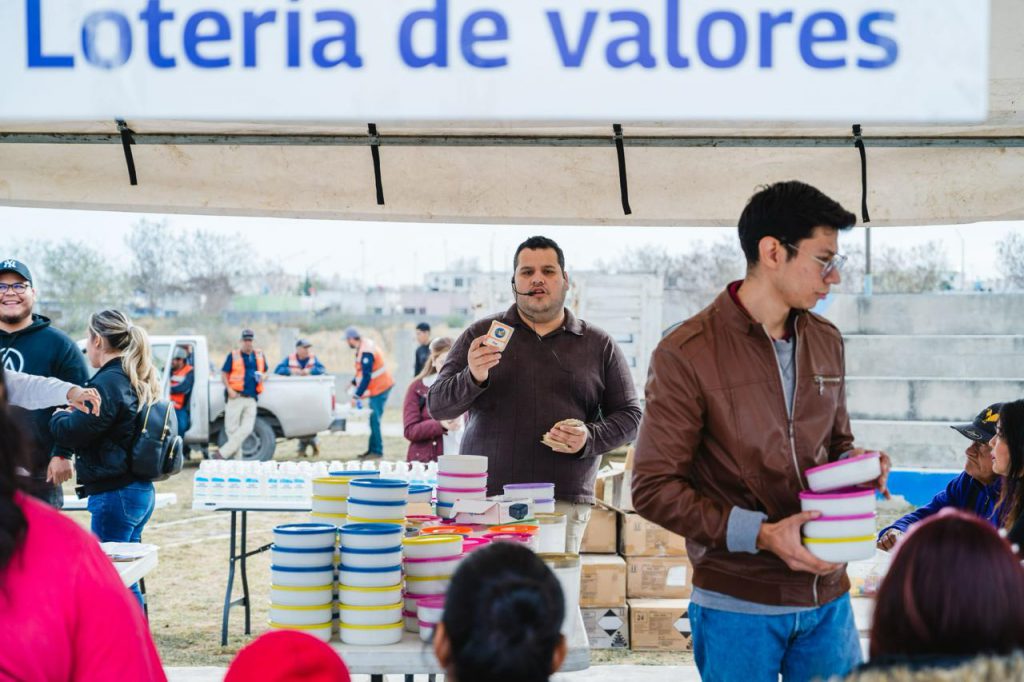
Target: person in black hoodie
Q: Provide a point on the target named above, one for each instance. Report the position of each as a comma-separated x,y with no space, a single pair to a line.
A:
29,344
127,381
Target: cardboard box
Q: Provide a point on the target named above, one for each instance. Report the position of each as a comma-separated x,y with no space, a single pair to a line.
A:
602,580
650,577
601,534
607,628
640,537
493,511
660,625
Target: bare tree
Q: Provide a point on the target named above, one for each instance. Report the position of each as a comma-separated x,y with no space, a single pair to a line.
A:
913,270
1011,259
78,280
215,265
156,265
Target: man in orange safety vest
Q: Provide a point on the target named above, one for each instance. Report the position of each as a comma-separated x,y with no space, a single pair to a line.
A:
372,380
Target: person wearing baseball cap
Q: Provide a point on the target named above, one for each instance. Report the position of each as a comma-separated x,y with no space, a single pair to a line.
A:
244,371
303,363
29,344
372,380
976,489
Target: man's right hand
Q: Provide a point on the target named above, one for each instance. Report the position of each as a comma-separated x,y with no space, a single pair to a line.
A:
481,359
889,540
232,393
783,540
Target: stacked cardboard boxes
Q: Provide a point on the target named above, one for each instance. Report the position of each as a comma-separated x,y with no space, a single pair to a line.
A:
603,583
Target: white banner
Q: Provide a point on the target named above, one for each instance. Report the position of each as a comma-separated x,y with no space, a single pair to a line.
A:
518,60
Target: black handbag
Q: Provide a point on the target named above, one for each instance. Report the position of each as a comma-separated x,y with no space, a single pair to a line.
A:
157,453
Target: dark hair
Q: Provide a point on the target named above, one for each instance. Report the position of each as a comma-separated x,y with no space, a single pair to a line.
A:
788,211
1011,430
503,615
423,327
539,242
12,457
955,588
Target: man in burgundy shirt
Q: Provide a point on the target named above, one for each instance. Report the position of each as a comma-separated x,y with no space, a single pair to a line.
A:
555,367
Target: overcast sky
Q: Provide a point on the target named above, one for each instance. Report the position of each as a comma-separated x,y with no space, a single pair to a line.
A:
400,253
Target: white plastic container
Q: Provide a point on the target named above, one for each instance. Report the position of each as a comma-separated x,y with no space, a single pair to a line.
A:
305,535
446,510
370,615
301,577
422,568
529,491
330,486
371,535
845,502
300,615
456,480
369,577
302,596
375,509
842,550
858,525
432,546
543,506
369,596
568,570
452,495
421,493
412,623
845,473
428,585
378,490
371,558
338,520
430,609
372,635
330,505
461,464
321,631
426,630
551,536
306,557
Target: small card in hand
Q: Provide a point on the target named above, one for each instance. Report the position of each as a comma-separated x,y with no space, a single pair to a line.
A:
498,335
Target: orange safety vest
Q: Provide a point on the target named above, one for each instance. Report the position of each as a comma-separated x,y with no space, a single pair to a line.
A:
236,380
380,378
293,362
178,376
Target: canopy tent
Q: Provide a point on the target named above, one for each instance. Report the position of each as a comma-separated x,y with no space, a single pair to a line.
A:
677,175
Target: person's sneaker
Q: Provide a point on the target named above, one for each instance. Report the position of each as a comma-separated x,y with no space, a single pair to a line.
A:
371,455
316,449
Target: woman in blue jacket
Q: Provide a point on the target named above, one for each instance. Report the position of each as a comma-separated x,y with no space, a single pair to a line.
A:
119,503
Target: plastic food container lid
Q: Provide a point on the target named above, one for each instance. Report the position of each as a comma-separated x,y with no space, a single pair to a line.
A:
843,462
847,517
446,530
372,529
419,489
390,626
318,626
527,486
841,494
378,569
378,483
433,560
433,539
302,569
305,528
434,601
386,588
315,607
385,607
303,550
356,550
316,588
330,480
834,541
377,503
329,499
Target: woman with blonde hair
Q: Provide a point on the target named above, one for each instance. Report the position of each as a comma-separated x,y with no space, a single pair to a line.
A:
429,438
127,381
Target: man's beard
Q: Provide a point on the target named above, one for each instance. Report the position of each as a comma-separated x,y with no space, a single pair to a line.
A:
15,319
550,313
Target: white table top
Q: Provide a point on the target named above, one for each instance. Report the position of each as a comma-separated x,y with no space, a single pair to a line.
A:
77,504
253,505
132,571
413,656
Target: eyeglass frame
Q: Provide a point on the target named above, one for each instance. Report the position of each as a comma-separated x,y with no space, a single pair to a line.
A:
4,288
833,264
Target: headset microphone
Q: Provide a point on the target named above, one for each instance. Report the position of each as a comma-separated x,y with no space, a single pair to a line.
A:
521,293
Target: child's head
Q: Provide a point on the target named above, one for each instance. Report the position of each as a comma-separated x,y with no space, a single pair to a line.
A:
502,618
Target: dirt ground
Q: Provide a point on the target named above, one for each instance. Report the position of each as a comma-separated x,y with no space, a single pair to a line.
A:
186,590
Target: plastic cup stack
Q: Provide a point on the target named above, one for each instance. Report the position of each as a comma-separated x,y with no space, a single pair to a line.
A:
430,560
459,477
372,500
846,529
302,578
370,583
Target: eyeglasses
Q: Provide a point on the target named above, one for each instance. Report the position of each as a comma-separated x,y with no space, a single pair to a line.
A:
833,264
18,288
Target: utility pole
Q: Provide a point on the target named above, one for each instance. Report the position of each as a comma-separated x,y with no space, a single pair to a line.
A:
868,284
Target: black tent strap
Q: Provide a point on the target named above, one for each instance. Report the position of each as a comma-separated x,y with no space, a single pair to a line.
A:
446,140
620,152
375,154
858,142
126,142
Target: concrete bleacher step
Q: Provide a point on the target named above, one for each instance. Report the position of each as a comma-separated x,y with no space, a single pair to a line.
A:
928,444
947,313
925,399
932,355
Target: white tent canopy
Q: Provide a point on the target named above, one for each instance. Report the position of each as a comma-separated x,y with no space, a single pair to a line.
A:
531,173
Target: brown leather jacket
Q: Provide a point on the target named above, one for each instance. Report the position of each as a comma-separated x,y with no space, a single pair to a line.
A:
716,434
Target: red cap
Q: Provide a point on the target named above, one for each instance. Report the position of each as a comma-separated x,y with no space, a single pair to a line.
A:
287,656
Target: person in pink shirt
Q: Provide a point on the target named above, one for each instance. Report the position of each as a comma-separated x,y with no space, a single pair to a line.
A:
64,612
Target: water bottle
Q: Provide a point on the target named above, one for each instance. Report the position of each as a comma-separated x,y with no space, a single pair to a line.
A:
251,483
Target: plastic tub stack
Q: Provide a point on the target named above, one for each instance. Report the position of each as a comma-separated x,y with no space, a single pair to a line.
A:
459,477
846,529
302,578
430,561
370,583
330,495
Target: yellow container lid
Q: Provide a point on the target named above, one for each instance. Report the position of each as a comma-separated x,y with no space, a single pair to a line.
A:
330,499
420,579
356,519
432,539
834,541
331,480
327,515
286,588
315,607
388,588
317,626
389,626
386,607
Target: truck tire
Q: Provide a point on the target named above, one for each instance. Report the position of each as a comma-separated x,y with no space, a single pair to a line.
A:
260,444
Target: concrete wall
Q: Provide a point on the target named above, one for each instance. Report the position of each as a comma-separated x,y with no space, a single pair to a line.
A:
950,313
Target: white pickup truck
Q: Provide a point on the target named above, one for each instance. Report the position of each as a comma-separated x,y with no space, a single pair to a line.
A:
289,407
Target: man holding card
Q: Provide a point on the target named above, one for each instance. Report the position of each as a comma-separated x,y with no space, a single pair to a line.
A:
545,393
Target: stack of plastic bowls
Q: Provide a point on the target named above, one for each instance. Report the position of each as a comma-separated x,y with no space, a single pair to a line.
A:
430,561
302,574
459,477
330,496
370,583
420,492
429,611
846,529
473,544
377,501
542,494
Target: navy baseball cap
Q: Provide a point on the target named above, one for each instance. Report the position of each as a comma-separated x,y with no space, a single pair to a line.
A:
248,335
16,266
351,333
302,343
983,428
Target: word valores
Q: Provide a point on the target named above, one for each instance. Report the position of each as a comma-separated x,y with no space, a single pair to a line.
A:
212,39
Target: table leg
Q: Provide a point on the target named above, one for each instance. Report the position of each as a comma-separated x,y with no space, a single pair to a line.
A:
231,583
145,599
245,579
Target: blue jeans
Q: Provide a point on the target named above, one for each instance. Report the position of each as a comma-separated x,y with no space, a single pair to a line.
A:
800,646
119,515
184,422
376,410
